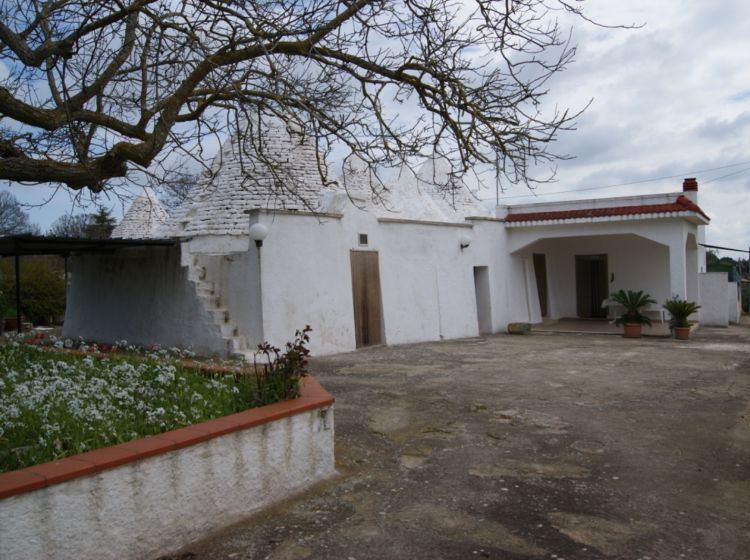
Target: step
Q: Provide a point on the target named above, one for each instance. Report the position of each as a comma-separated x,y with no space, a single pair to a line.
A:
212,301
237,344
247,355
204,293
220,315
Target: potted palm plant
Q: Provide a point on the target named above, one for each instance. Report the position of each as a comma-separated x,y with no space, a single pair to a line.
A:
632,318
680,310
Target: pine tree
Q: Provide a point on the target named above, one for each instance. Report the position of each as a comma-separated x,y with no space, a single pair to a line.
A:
101,224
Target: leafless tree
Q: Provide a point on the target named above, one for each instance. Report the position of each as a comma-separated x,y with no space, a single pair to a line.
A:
13,219
70,225
95,90
97,225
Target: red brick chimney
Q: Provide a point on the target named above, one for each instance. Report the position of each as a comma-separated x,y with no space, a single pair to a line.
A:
690,188
689,184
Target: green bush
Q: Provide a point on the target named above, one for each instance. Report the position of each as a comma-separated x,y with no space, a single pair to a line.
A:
42,289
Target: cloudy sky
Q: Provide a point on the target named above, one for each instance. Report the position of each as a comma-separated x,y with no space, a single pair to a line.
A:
671,99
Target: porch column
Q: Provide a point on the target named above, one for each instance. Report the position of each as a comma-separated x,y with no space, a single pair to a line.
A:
691,268
677,269
532,295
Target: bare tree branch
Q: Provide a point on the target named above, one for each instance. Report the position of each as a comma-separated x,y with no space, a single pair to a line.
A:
99,89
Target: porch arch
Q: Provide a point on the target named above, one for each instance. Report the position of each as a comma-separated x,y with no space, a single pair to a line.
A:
632,262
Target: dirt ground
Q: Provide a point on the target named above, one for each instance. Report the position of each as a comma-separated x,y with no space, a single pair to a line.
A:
545,446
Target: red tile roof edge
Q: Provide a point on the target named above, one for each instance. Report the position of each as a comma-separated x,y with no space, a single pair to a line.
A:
312,396
682,204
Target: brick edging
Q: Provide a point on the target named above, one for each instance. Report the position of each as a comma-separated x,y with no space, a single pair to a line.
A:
312,395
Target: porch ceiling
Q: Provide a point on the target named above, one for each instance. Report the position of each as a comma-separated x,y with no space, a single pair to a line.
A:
531,238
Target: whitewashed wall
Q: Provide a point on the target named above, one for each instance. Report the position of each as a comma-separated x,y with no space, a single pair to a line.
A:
427,281
507,273
141,295
306,279
302,275
157,505
714,311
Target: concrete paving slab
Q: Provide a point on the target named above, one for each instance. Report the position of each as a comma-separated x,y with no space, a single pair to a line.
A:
545,446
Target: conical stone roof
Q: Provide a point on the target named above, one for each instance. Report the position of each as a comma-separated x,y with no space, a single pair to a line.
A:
411,196
144,219
284,176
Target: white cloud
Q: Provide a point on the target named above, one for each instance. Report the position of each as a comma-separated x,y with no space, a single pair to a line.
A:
670,98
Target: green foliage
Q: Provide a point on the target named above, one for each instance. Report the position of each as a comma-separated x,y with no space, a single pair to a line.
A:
680,310
42,288
633,302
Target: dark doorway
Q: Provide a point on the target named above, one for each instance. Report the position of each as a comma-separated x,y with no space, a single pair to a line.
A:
482,293
591,286
368,317
540,272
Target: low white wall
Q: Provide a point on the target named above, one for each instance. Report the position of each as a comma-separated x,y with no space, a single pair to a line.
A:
714,290
157,505
734,302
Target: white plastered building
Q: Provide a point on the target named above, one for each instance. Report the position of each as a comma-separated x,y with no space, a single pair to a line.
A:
413,266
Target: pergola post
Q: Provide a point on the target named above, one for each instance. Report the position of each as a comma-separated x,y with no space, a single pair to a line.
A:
17,260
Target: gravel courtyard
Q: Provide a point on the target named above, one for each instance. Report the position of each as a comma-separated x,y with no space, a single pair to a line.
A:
546,446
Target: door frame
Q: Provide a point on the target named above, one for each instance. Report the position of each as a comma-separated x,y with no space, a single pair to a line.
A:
367,299
591,292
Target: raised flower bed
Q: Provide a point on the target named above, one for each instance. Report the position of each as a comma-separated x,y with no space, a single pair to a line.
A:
147,497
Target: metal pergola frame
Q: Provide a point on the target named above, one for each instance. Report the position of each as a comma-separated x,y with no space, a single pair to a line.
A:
17,246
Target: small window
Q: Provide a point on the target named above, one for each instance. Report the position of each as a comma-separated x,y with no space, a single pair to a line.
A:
363,240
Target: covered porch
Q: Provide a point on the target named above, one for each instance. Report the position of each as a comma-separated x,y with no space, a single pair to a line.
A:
571,270
575,254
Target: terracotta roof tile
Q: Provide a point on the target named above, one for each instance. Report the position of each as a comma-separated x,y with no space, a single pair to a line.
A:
682,204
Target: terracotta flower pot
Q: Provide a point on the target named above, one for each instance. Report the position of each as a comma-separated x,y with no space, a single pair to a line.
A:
682,333
632,330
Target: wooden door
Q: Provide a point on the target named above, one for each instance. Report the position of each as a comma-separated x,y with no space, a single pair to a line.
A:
368,316
591,285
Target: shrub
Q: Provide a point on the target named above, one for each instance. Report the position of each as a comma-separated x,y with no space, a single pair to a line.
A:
633,302
680,310
278,377
42,289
